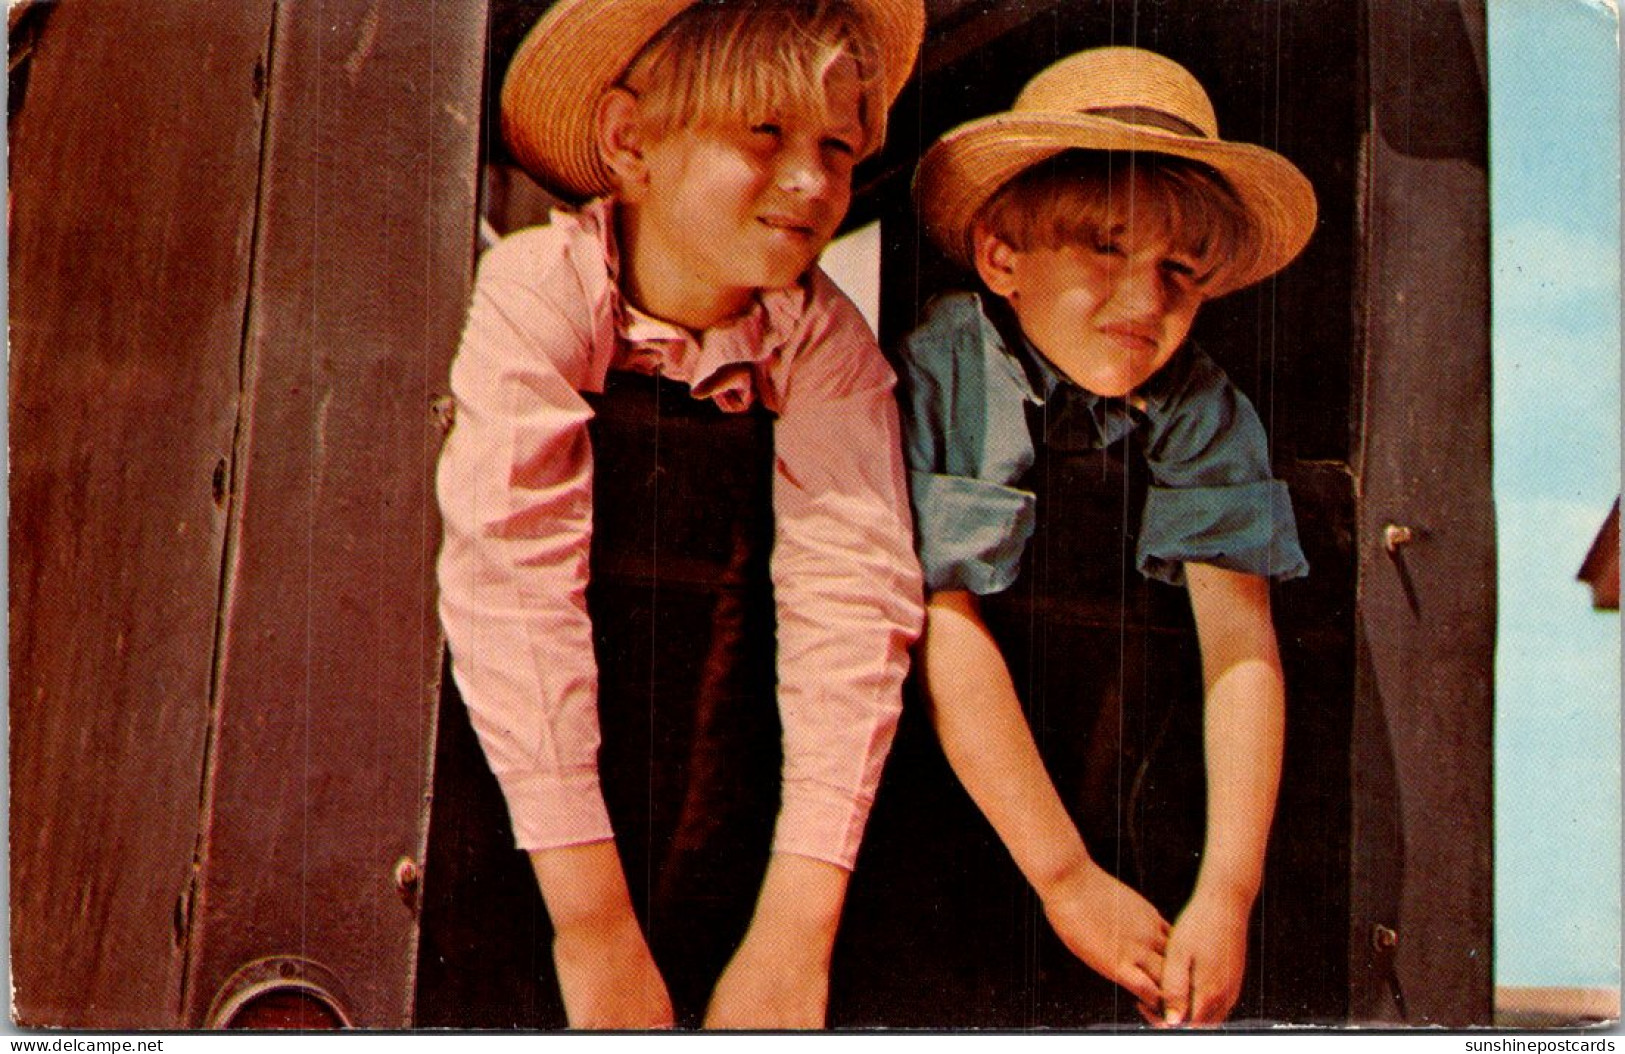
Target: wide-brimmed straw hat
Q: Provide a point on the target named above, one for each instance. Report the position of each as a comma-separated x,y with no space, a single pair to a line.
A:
579,49
1114,98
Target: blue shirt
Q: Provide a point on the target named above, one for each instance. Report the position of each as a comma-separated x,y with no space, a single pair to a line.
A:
1212,498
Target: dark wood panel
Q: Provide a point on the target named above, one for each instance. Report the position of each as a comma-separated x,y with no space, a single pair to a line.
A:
1422,755
331,648
135,160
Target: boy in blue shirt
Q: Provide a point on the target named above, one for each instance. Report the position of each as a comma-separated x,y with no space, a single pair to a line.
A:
1100,214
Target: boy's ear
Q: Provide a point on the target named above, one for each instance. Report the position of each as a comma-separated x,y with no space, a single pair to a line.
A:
618,128
995,261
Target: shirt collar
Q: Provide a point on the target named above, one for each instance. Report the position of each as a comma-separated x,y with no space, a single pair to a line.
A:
699,360
1043,384
714,362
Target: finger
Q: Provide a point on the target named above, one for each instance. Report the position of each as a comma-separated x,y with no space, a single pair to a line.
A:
1151,1012
1206,1010
1143,985
1210,1005
1153,964
1176,988
1201,1004
1202,997
1198,994
1211,997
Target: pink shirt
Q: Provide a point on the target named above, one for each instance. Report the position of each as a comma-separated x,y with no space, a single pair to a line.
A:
515,485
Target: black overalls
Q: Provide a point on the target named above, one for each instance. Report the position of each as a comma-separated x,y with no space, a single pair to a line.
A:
683,623
942,931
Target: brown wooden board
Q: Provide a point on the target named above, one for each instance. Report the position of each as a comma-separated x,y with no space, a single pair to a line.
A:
134,167
331,647
1420,913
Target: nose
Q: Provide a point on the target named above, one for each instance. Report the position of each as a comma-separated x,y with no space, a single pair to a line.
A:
1141,290
802,172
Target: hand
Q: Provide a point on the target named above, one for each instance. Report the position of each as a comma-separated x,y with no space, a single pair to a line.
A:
770,988
1207,955
606,974
608,978
779,976
1114,930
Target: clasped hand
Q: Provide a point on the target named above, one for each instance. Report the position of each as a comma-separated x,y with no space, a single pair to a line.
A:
1185,974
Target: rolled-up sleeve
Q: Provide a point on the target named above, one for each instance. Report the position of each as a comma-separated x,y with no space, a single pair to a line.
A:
1213,498
846,581
966,441
515,491
972,533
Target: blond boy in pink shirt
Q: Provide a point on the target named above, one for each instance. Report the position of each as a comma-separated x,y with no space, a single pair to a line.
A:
714,145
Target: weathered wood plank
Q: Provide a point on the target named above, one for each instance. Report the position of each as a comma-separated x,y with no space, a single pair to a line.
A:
331,647
1422,861
135,162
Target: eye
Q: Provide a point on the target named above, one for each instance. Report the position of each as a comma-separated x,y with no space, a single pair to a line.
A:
1104,246
840,145
1185,272
840,153
767,129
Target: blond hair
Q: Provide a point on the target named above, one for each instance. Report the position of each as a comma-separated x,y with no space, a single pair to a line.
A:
729,60
1081,197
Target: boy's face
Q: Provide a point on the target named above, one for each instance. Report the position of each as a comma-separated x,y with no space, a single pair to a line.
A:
1108,314
749,207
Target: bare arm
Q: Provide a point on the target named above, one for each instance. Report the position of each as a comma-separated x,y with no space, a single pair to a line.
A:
779,976
1243,728
991,748
606,974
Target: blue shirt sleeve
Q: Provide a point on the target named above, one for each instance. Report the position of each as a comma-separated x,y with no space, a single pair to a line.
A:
1212,498
966,442
971,532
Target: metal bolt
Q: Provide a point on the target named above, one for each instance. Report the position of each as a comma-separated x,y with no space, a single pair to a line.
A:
1394,536
444,411
407,874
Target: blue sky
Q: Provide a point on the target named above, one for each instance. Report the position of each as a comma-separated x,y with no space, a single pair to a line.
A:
1554,134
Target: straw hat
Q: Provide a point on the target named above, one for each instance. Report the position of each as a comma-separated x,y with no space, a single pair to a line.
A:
580,48
1114,98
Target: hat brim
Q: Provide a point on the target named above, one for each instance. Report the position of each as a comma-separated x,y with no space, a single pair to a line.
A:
579,49
967,166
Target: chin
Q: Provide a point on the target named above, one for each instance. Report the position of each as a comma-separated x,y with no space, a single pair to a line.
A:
783,277
1112,387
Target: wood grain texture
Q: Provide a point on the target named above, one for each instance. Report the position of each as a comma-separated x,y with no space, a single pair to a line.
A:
331,646
135,163
1422,849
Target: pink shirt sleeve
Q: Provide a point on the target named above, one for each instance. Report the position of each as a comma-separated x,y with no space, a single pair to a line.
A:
845,578
515,490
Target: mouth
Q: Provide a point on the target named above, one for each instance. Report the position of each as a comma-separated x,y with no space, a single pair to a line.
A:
1134,337
791,225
